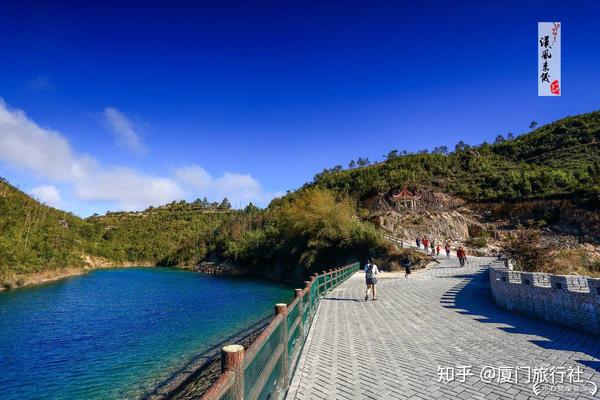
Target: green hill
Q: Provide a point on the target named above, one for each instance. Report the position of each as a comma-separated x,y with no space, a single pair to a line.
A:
306,230
571,143
37,238
314,226
561,159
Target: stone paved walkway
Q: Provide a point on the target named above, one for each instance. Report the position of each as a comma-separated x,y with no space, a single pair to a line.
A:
440,317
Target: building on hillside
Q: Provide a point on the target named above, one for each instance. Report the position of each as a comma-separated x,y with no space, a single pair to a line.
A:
405,199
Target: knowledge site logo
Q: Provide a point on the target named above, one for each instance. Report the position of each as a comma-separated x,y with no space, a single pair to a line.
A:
544,380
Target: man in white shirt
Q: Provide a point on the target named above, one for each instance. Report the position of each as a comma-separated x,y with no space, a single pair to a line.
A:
371,271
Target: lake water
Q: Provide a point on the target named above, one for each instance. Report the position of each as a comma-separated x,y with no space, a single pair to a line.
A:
117,333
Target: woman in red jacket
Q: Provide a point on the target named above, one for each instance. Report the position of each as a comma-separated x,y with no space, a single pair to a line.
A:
462,256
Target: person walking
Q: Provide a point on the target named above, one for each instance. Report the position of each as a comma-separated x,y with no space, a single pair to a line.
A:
371,271
433,247
407,266
437,249
447,247
418,243
462,256
425,242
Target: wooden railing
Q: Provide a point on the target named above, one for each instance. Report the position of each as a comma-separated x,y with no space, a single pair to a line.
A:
264,369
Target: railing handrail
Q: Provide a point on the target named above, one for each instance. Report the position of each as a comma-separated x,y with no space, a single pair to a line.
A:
222,385
286,352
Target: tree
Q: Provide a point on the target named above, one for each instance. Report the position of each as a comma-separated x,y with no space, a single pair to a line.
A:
251,208
225,204
510,136
352,164
392,154
461,147
533,124
440,150
362,162
499,139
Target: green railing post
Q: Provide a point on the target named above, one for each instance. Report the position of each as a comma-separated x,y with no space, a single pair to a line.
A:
298,293
308,285
333,278
281,309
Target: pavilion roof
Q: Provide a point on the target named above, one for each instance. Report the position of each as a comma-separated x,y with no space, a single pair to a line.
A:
404,194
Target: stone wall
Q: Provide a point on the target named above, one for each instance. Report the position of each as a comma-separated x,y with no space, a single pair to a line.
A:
569,300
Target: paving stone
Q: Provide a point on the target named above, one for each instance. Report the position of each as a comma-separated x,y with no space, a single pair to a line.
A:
439,317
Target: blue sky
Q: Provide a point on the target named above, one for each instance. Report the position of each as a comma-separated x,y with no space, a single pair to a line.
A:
122,105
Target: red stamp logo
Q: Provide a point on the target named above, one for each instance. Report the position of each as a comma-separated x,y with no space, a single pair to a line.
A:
554,87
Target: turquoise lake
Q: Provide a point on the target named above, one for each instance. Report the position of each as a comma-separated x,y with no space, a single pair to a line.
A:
117,333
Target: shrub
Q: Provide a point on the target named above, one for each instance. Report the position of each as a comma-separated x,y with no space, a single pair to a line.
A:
528,251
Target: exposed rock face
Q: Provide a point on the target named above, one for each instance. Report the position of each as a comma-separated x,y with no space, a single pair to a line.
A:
377,204
100,262
561,216
219,269
441,226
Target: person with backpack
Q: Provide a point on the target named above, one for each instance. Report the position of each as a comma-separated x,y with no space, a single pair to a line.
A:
407,266
462,256
447,247
371,271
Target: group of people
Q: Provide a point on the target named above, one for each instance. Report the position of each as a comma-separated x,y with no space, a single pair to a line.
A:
430,247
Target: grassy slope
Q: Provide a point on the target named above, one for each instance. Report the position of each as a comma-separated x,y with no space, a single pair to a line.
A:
560,159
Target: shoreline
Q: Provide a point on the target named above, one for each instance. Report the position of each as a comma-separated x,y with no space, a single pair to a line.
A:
44,277
40,278
204,369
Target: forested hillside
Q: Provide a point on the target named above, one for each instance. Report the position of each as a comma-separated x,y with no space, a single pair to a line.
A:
304,230
37,237
557,160
314,226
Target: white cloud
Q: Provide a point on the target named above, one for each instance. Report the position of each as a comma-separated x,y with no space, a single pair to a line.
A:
132,190
238,188
47,194
41,151
123,130
47,154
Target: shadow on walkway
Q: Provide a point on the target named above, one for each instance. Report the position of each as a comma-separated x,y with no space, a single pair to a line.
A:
472,296
341,299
